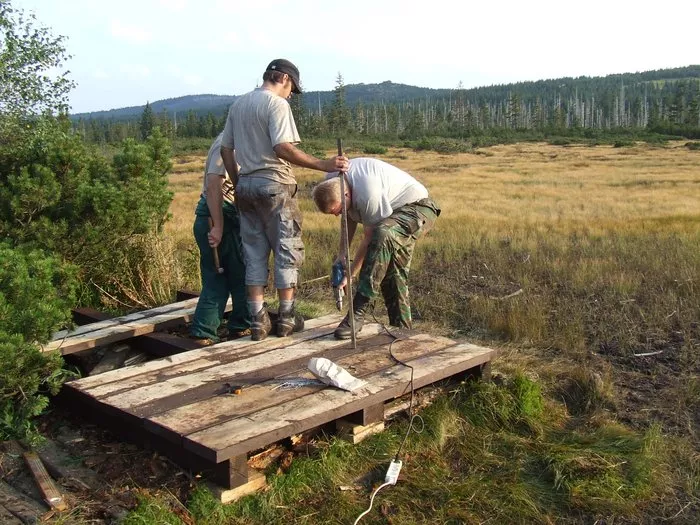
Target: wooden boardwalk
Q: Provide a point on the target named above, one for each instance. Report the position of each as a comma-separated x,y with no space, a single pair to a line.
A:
182,405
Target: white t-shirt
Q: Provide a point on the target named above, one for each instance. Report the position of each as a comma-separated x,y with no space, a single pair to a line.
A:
215,166
378,189
256,122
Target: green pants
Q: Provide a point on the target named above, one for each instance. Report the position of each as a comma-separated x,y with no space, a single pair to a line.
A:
216,287
388,260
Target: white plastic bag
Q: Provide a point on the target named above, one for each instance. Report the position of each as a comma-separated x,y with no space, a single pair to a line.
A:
332,374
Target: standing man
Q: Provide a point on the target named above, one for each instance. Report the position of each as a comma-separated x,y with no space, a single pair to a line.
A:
217,203
395,211
261,128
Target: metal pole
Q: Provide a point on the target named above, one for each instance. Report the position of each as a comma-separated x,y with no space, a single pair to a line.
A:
346,242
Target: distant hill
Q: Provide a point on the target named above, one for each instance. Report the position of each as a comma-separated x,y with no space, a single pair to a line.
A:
391,92
200,104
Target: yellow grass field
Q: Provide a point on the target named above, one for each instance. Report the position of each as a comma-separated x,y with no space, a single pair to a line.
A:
512,193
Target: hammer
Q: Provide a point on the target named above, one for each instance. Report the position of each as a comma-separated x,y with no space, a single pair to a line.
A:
215,251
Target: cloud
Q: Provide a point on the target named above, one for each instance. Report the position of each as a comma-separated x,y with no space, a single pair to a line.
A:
130,33
135,70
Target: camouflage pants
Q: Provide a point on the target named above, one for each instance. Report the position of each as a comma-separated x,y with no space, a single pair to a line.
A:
388,260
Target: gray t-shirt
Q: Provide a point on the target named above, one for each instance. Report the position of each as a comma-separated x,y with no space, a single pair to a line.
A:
256,122
378,189
215,166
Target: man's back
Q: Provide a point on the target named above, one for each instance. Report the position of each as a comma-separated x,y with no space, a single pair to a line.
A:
378,188
257,122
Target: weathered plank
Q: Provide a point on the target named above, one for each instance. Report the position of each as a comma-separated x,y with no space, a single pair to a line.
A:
115,321
145,325
22,507
210,354
243,434
208,389
217,410
50,492
129,399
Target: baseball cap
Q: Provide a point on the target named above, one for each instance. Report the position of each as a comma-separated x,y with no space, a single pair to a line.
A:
285,66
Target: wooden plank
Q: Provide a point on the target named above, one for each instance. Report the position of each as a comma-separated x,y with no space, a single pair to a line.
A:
115,321
217,410
52,496
256,430
246,381
22,507
7,518
147,325
256,483
134,397
210,352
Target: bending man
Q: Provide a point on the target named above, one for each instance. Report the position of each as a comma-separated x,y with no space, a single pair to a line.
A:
261,127
395,211
217,202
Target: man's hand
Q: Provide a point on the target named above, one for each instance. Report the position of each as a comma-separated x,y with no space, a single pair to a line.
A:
214,236
337,163
289,152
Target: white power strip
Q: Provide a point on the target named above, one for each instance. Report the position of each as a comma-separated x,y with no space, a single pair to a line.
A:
392,473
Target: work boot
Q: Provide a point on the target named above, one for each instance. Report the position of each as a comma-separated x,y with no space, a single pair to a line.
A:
288,322
360,304
260,325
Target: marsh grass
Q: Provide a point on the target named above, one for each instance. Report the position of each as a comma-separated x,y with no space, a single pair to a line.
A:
488,451
557,255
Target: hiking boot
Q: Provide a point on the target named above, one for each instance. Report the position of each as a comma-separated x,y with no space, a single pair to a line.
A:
203,341
360,305
237,334
260,325
288,322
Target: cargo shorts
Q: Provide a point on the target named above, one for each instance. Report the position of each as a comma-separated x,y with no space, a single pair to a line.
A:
270,222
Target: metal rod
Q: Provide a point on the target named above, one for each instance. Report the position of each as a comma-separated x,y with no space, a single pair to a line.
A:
346,242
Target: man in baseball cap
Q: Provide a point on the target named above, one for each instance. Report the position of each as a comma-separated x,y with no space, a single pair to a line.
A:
261,136
285,66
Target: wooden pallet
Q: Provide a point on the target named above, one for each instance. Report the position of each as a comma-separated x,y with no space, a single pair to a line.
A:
180,404
121,328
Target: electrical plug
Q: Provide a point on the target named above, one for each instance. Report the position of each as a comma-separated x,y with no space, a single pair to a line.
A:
392,473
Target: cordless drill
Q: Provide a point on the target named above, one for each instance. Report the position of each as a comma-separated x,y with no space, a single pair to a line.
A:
337,275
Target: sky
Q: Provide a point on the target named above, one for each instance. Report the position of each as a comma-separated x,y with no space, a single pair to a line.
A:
128,52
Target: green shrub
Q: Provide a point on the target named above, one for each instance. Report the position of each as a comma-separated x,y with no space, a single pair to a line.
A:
560,142
693,146
623,144
60,195
36,293
374,149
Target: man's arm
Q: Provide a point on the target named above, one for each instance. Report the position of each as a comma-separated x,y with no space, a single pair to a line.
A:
352,227
361,252
289,152
215,203
228,155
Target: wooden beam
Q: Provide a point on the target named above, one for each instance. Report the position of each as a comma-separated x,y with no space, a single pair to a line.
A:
49,490
372,414
232,473
104,332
